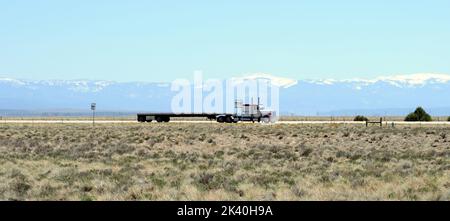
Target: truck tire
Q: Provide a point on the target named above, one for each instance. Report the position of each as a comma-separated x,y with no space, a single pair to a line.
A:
228,119
266,120
221,119
159,119
166,119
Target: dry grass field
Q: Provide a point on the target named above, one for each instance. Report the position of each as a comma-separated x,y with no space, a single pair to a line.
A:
223,162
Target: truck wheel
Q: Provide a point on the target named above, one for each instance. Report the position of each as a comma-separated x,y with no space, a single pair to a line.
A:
228,119
221,119
166,119
141,119
159,119
149,121
266,120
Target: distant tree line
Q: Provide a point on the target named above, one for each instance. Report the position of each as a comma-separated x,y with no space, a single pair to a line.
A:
418,115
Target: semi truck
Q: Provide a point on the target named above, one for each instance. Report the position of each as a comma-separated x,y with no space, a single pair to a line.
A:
244,112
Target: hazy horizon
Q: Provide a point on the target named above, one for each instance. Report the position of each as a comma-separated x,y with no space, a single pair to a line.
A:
410,76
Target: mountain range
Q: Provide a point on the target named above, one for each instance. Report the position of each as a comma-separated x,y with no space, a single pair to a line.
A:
390,95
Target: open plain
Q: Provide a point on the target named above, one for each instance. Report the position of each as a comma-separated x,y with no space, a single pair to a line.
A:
210,161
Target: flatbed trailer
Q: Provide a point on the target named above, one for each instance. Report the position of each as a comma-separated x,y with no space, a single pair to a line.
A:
248,112
221,118
165,117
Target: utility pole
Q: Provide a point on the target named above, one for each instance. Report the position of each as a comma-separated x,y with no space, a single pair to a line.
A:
93,105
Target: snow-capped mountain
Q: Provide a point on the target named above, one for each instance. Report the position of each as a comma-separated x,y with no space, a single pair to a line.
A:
77,94
412,80
281,82
389,95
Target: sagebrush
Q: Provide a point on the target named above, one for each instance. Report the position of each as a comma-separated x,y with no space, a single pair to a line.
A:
223,162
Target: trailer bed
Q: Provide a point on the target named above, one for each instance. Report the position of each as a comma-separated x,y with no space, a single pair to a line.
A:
165,117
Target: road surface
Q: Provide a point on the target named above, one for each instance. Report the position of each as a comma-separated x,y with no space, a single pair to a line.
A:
208,122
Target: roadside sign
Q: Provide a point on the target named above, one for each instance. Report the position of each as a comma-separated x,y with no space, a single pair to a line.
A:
93,105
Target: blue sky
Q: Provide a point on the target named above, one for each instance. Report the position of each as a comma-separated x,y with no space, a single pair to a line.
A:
164,40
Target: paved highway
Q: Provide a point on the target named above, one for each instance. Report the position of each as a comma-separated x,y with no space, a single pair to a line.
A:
206,122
